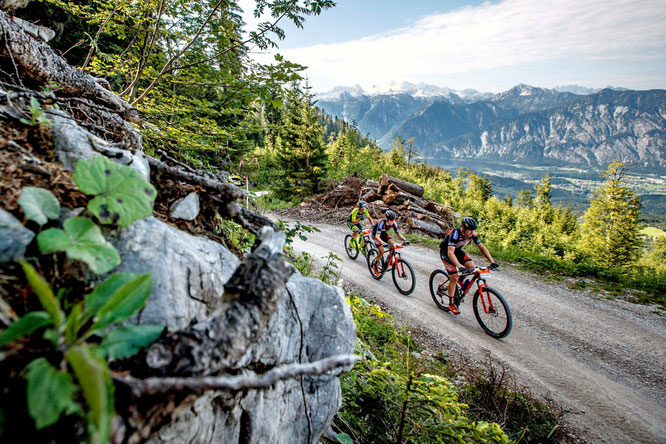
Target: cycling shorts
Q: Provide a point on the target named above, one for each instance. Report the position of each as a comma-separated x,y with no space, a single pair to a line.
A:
358,225
448,264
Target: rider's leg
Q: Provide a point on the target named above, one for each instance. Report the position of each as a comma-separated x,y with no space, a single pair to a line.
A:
380,254
391,244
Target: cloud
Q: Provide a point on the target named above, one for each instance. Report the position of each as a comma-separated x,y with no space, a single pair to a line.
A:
494,35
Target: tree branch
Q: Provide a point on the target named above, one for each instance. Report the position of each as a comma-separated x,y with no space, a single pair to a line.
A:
150,386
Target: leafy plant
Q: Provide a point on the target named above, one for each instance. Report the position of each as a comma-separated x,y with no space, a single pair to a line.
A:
123,196
330,273
83,240
298,230
39,204
37,114
51,390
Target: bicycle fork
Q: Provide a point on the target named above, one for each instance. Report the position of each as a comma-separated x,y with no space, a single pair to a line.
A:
482,294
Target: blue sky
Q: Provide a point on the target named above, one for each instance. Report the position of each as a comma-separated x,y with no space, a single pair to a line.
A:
489,46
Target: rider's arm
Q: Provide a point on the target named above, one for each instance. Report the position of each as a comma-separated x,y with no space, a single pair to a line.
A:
485,252
354,216
372,222
452,256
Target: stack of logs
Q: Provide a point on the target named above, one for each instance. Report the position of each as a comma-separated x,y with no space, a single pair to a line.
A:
406,199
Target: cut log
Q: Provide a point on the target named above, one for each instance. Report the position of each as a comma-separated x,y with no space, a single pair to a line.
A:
429,228
371,196
372,184
411,188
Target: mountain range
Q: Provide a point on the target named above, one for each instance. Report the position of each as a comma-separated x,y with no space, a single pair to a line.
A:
524,125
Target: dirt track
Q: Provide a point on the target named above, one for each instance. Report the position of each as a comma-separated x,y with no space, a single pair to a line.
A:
604,359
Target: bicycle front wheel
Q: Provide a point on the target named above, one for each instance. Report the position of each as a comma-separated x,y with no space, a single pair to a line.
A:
403,277
376,271
439,284
492,313
351,247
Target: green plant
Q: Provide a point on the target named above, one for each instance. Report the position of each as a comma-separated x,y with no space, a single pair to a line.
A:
83,240
51,389
330,273
122,195
37,114
39,204
239,236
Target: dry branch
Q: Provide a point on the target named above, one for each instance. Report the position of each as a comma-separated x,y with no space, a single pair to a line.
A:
149,386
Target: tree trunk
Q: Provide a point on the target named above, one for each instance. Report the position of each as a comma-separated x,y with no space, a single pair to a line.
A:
411,188
429,228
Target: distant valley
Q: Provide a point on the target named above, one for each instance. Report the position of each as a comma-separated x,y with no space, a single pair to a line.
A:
524,125
518,136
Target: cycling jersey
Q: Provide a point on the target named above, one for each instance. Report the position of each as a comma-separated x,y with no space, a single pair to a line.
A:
382,227
455,238
354,214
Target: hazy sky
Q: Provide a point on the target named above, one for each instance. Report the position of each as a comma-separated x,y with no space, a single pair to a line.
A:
489,46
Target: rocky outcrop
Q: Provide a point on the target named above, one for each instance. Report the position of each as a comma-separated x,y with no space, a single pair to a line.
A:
14,237
186,208
312,322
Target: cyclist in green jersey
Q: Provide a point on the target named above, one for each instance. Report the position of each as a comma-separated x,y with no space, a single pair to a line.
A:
359,213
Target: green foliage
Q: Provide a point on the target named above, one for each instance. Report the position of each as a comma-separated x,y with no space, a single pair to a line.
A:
50,392
37,114
93,375
83,240
611,232
330,273
51,389
392,396
124,342
123,196
297,230
39,204
240,238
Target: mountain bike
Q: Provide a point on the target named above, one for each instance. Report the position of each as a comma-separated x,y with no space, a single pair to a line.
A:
362,244
491,310
402,273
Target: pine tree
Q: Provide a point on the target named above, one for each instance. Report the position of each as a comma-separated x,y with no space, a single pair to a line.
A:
542,201
611,230
300,149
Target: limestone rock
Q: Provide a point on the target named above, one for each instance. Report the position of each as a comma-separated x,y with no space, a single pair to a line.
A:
71,143
14,237
189,272
312,322
186,208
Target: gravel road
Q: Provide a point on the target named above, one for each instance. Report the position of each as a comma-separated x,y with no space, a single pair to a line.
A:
603,359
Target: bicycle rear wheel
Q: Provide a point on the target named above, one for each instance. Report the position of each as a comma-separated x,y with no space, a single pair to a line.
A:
351,247
439,283
495,317
403,277
378,271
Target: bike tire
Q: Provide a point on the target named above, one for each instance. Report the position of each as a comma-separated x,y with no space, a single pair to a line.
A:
437,278
351,248
402,266
371,255
499,323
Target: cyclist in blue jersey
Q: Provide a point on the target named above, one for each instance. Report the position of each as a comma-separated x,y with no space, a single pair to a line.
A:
381,236
454,257
359,213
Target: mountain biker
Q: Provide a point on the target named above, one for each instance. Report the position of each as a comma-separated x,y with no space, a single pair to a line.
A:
381,236
354,219
454,257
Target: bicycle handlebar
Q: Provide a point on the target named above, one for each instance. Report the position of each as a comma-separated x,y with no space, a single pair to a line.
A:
470,271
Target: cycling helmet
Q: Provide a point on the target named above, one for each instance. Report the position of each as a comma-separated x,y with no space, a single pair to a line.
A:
470,223
390,215
362,204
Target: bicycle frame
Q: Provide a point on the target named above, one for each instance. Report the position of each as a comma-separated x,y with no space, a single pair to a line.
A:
481,284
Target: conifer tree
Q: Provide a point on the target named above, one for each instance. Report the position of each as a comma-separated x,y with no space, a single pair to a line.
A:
610,232
300,149
542,200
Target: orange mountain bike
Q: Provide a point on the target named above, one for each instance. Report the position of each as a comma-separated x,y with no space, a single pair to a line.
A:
402,272
490,308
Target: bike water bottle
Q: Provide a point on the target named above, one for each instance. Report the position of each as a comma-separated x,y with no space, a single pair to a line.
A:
465,285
